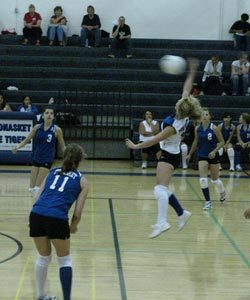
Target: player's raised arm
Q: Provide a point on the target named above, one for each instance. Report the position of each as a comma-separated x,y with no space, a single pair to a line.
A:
188,84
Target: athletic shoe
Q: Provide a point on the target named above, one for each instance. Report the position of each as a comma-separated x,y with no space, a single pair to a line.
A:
238,168
34,191
184,166
222,196
183,219
158,229
144,165
47,298
208,205
232,169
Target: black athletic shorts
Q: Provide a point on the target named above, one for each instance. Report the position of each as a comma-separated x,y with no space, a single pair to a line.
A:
213,161
53,228
173,159
153,149
42,165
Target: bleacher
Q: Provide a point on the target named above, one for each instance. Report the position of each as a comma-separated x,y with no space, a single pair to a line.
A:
88,77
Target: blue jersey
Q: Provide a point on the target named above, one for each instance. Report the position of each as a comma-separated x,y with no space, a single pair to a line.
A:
59,193
207,140
226,131
45,144
245,133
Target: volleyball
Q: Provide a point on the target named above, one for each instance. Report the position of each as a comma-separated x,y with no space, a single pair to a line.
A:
172,64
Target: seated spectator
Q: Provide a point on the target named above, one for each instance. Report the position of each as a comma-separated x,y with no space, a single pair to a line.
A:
241,32
227,129
32,26
212,78
3,105
239,75
58,27
121,34
243,139
27,106
91,33
147,129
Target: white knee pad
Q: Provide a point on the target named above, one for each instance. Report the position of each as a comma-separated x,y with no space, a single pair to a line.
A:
203,182
43,261
230,152
219,185
161,191
64,261
184,149
220,151
216,182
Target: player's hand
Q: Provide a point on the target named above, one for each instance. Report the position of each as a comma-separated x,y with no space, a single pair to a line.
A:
188,157
130,144
73,229
14,150
247,213
193,63
212,154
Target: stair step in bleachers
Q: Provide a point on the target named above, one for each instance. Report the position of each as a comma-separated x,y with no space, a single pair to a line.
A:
148,53
92,73
140,99
138,43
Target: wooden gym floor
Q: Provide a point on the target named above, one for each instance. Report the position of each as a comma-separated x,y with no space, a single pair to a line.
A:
112,255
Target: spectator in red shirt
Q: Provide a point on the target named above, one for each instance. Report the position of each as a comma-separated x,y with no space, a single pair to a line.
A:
32,26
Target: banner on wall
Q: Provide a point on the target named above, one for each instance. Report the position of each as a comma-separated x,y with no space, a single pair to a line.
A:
13,132
14,128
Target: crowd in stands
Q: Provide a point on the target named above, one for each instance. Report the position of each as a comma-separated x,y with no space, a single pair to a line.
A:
91,34
213,82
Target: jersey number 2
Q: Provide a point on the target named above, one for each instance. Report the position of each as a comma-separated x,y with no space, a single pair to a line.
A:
61,188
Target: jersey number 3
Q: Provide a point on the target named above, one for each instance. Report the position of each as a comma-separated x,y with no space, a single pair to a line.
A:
61,187
49,138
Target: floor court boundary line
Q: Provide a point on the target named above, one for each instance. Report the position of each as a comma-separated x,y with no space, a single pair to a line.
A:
117,252
18,251
223,230
129,174
20,284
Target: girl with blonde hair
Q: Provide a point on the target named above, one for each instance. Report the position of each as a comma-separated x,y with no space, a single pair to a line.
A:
172,129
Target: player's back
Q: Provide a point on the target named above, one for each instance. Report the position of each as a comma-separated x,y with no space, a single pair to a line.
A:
59,193
172,143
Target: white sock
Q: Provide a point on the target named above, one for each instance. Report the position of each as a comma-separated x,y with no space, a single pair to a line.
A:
220,151
41,270
162,195
230,153
184,152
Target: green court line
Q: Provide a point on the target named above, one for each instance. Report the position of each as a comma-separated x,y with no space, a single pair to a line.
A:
223,230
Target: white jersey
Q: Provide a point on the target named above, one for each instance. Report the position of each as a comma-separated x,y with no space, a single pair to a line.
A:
172,143
148,128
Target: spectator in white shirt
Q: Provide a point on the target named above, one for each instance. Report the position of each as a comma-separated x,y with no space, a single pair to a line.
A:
212,77
240,74
148,129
